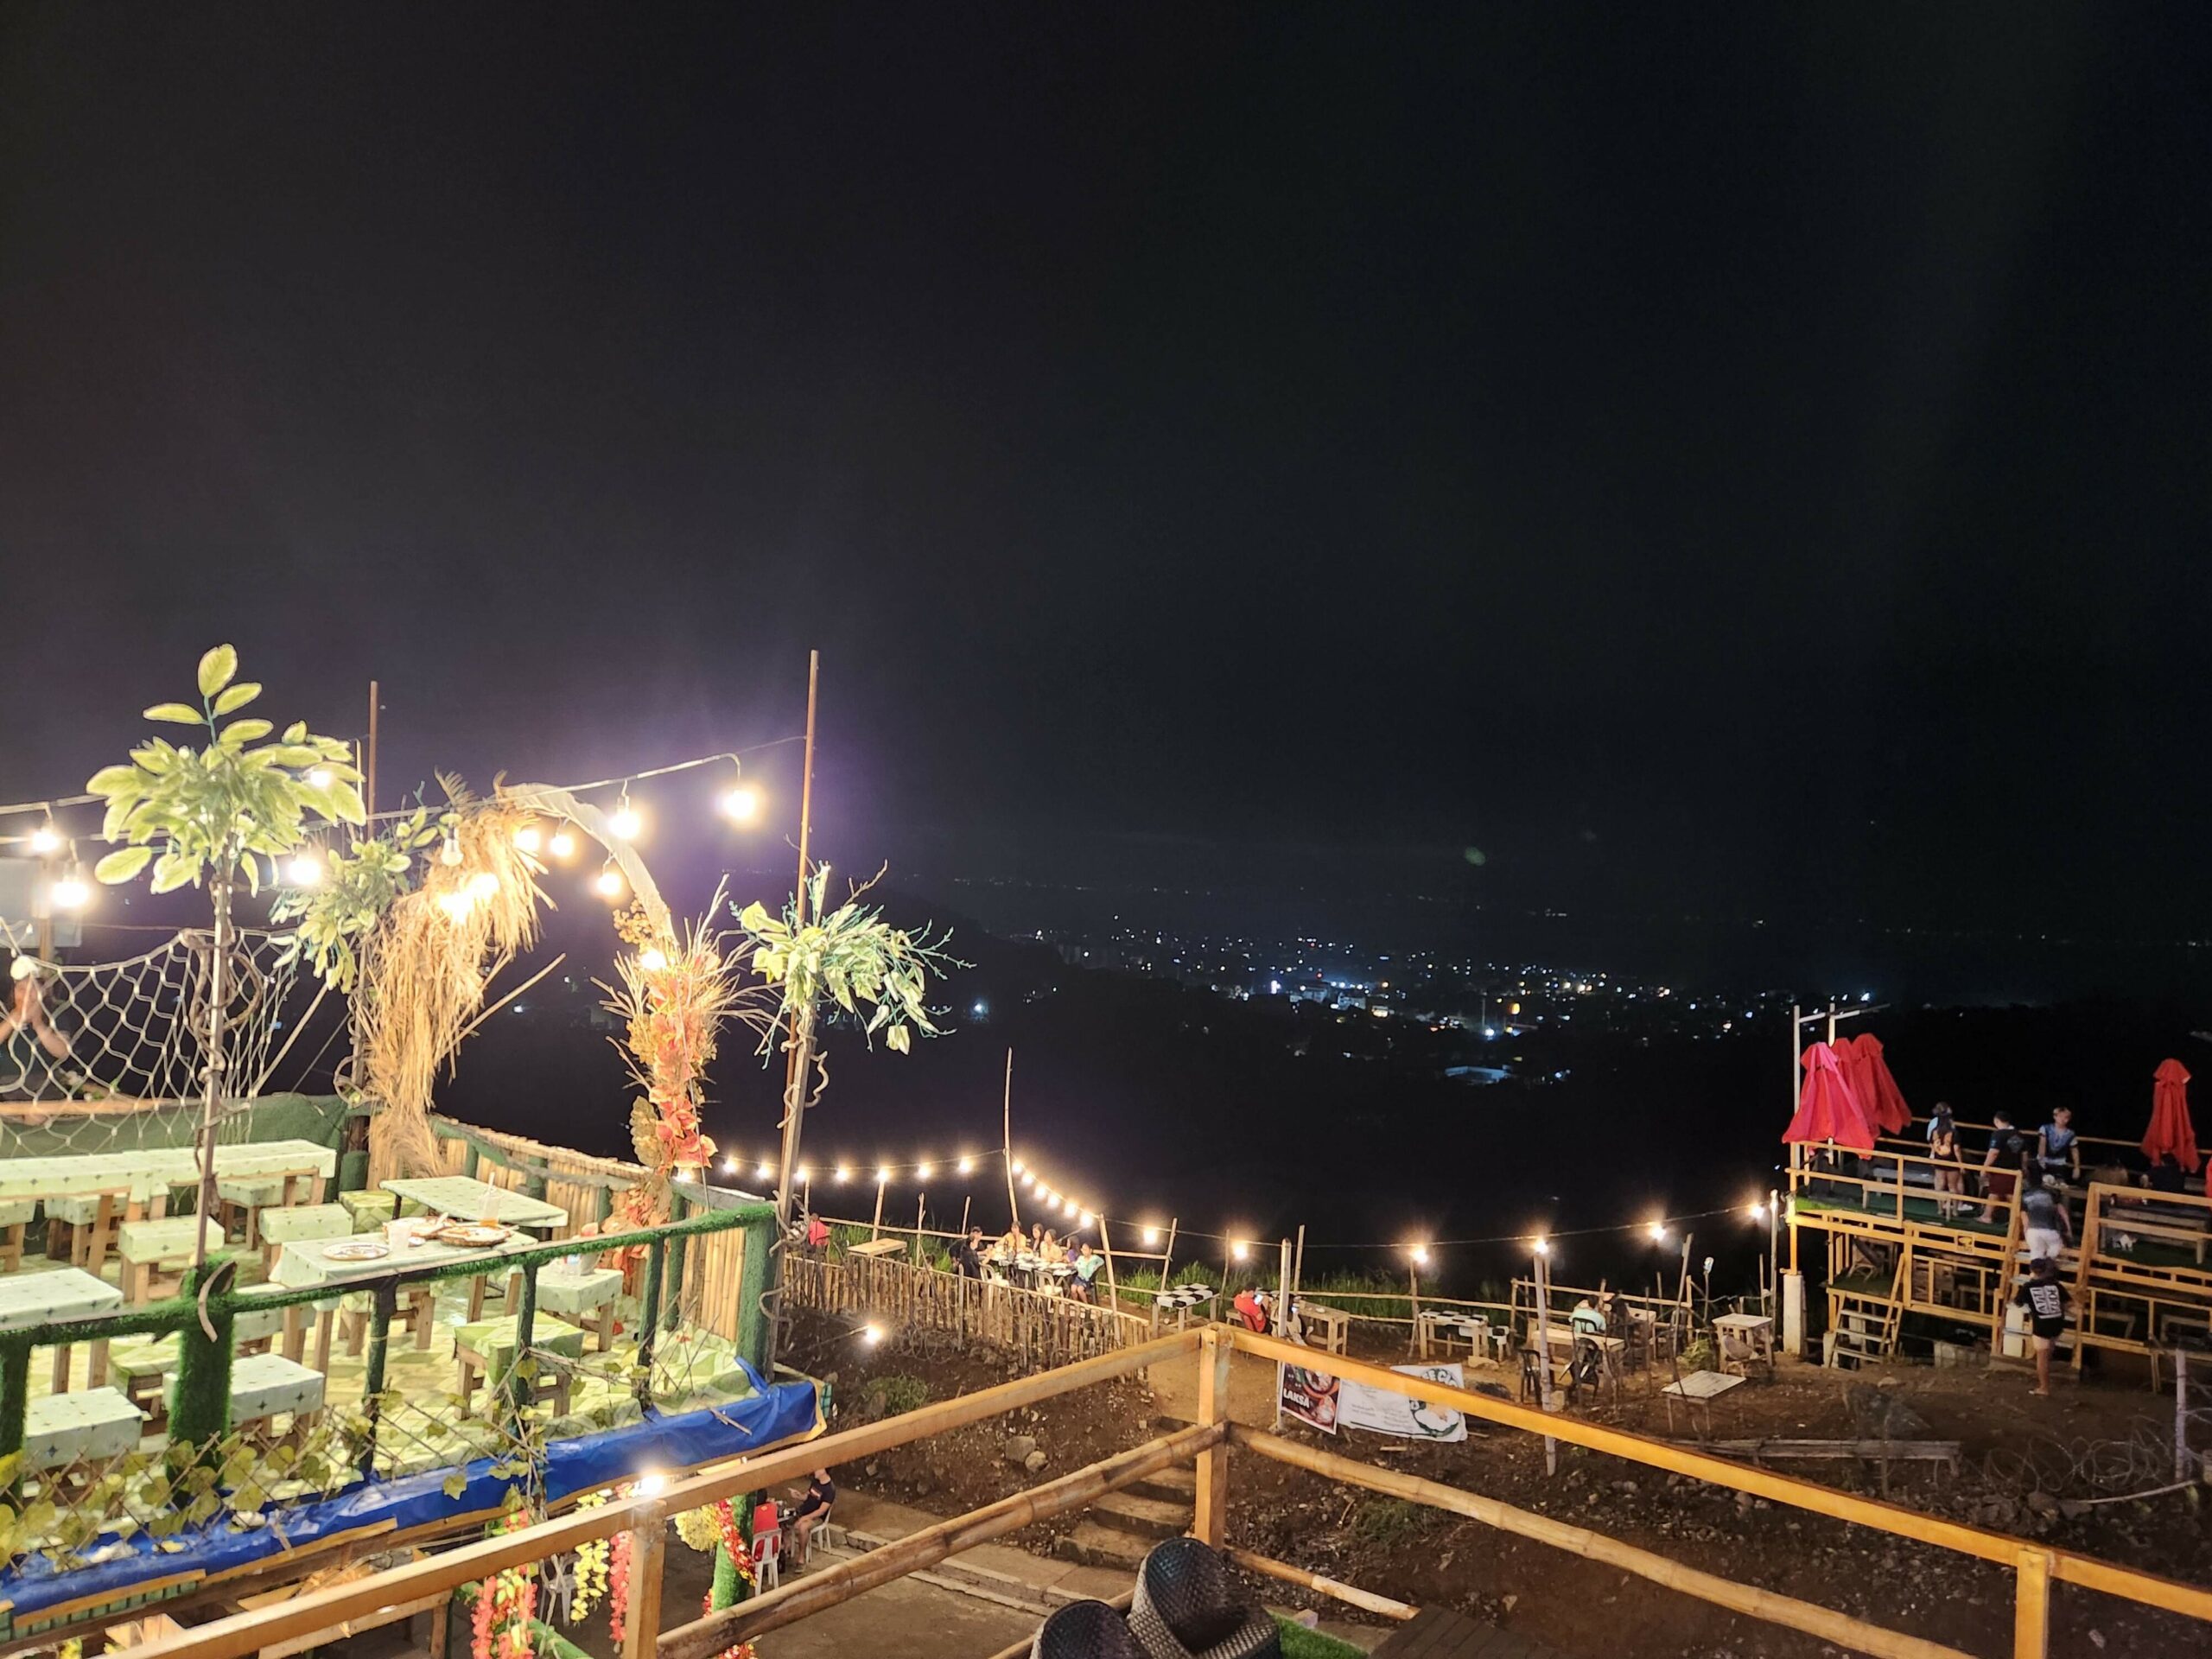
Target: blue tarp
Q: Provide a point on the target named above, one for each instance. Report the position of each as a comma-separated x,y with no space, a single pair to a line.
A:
768,1416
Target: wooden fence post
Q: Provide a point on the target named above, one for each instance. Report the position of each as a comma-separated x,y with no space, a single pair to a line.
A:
648,1542
2032,1606
1211,1522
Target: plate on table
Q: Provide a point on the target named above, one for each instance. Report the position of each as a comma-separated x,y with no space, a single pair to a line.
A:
473,1235
356,1249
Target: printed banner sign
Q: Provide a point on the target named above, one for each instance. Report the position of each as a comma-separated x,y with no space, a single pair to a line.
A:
1323,1401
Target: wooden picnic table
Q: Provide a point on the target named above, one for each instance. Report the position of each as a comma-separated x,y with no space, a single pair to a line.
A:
306,1263
148,1173
466,1199
1328,1328
877,1247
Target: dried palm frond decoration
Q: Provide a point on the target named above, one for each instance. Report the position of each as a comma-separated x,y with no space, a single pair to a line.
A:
674,994
425,965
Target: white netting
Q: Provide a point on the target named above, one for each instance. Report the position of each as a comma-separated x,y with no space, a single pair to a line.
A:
136,1030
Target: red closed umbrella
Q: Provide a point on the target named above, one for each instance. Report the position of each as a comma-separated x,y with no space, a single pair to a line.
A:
1827,1109
2170,1130
1876,1090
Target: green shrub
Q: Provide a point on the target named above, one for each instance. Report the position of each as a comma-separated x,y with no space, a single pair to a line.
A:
1387,1521
893,1395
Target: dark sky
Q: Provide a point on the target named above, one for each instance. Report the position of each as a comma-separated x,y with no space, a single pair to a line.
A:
1752,462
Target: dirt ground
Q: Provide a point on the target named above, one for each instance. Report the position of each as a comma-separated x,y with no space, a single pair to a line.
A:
2029,1466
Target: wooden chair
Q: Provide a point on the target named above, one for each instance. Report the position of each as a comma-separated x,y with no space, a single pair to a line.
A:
239,1199
14,1218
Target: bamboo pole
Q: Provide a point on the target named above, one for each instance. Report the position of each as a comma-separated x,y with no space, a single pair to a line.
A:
1006,1144
1776,1609
2032,1606
1210,1510
1106,1249
832,1586
920,1199
1321,1584
648,1546
1167,1255
1297,1262
876,1226
1413,1285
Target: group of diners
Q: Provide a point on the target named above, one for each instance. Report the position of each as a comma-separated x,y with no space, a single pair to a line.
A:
1039,1257
2039,1164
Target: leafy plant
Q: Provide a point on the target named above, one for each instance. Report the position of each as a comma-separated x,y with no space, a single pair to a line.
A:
206,811
892,1396
852,957
1387,1521
358,887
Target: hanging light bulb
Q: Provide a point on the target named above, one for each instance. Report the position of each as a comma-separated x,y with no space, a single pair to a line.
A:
1542,1247
741,805
607,884
450,853
625,824
843,1173
484,885
1085,1219
70,892
922,1172
729,1166
46,839
530,838
967,1166
767,1172
1658,1232
1151,1236
652,959
562,844
1028,1181
1017,1166
1420,1254
805,1175
319,778
457,905
882,1176
1238,1250
305,870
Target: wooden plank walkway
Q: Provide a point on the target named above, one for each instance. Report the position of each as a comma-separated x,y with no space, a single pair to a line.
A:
1439,1633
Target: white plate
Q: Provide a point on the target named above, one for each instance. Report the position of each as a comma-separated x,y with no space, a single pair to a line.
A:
356,1249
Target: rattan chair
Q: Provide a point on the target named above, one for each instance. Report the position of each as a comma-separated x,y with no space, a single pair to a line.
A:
1190,1605
1086,1629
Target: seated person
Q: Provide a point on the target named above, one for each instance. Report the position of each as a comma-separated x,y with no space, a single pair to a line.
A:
1587,1320
821,1496
2058,1149
968,1254
1254,1308
1050,1250
1011,1242
817,1235
1087,1264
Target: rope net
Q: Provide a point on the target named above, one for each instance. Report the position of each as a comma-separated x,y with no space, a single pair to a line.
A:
133,1032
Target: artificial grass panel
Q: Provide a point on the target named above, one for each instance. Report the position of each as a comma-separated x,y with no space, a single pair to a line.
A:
1299,1642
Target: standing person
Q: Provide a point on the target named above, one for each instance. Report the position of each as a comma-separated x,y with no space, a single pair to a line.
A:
2058,1149
2045,1299
2049,1229
2000,1164
1950,1167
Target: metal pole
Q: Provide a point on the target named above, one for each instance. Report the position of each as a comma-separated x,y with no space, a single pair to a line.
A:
1005,1144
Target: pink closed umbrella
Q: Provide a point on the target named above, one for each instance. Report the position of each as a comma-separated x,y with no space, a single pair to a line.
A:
1877,1091
2170,1131
1827,1109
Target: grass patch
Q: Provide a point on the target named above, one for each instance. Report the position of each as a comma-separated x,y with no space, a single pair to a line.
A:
1299,1642
892,1396
1387,1521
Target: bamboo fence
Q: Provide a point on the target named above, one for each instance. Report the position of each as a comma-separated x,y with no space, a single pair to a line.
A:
1040,1328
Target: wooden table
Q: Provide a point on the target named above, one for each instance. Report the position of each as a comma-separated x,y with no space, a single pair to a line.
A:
1699,1389
464,1200
305,1264
874,1247
149,1174
29,1299
1328,1328
1744,1340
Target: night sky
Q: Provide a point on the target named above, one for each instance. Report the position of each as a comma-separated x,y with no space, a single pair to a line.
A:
1752,463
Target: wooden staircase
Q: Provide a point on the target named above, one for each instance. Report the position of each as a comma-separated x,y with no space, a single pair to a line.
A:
1865,1318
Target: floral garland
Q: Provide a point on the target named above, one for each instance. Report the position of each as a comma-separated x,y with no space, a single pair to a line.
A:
591,1566
740,1561
618,1586
505,1604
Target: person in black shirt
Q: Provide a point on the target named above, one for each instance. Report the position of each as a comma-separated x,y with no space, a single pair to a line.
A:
968,1254
2045,1299
813,1509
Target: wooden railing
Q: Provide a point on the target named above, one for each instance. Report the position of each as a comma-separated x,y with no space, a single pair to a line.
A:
1885,1193
1043,1330
2037,1567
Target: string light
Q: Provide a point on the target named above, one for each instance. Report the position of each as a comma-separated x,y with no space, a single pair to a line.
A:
1151,1236
562,845
530,838
46,839
624,824
805,1175
608,883
741,805
922,1171
1238,1250
765,1173
1758,1212
652,959
843,1174
1017,1166
1658,1232
1028,1182
882,1176
872,1334
729,1166
1542,1246
1420,1254
450,854
70,892
305,870
484,886
1085,1219
967,1166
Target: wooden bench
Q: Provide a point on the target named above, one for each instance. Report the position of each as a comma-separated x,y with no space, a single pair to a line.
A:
149,1249
265,1386
487,1348
80,1227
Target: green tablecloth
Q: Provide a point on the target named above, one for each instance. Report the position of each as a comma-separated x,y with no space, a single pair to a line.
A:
64,1293
467,1200
148,1172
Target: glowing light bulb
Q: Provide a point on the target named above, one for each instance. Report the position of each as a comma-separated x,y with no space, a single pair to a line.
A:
450,853
741,805
319,778
624,824
1658,1232
608,883
1238,1250
922,1171
872,1334
530,838
805,1175
650,1486
843,1173
305,870
1028,1181
652,959
70,892
1085,1219
967,1166
46,839
1758,1212
1420,1254
1151,1235
765,1173
882,1176
1542,1247
1017,1166
484,885
457,906
562,845
729,1166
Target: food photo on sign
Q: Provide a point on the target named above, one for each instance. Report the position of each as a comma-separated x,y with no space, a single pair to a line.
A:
1323,1401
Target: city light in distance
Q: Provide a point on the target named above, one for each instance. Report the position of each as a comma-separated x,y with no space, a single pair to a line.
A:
562,844
741,805
46,839
305,870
